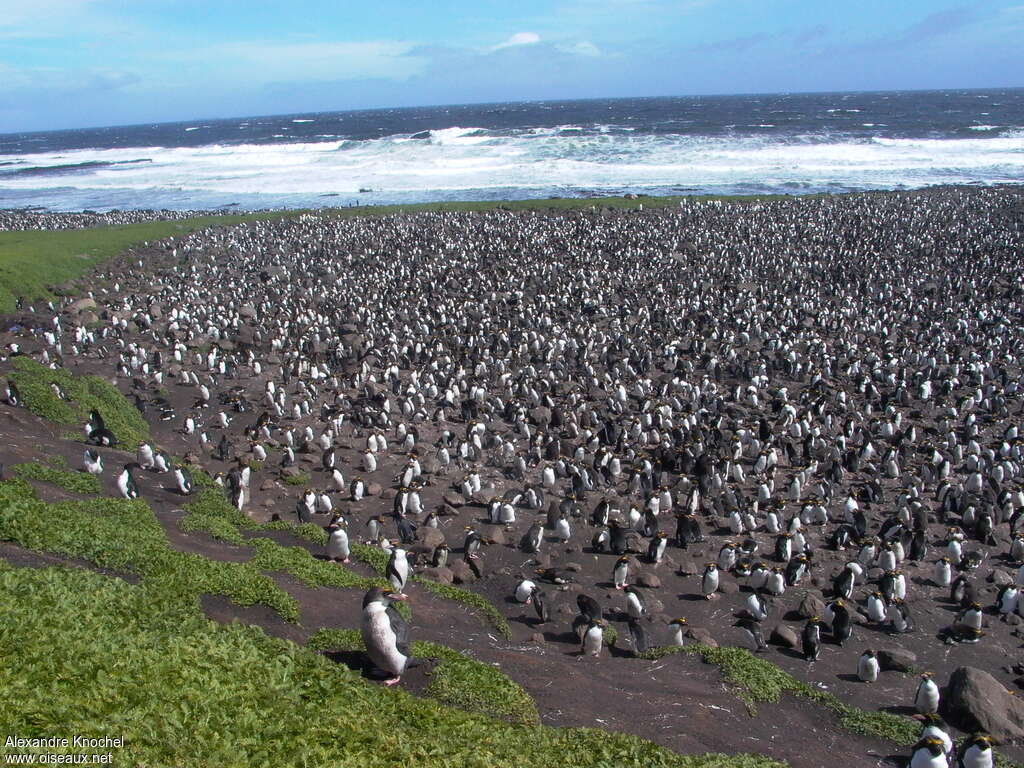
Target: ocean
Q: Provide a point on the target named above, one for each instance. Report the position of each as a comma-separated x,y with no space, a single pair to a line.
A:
785,143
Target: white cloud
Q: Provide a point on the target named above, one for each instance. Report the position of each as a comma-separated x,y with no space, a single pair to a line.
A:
582,48
519,38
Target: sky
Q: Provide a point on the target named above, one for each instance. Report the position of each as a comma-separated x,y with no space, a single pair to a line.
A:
80,63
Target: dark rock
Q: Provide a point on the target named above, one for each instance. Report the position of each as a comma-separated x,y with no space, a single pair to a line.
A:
976,701
440,575
461,572
430,537
453,500
538,638
386,494
648,579
1000,578
784,636
446,510
702,636
811,605
573,567
496,535
728,587
896,660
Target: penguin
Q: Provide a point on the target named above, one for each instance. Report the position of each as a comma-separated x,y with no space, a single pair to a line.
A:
709,581
593,639
524,591
656,547
126,482
540,605
533,538
942,573
867,666
638,636
589,607
899,616
811,639
620,574
928,753
678,625
976,752
635,605
926,699
337,541
145,456
971,616
398,569
1007,599
753,630
357,488
183,480
878,608
440,556
842,627
385,634
92,462
932,727
757,606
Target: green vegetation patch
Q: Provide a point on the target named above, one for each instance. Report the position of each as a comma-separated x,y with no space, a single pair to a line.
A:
84,393
457,680
75,482
33,261
93,655
377,559
124,535
302,478
757,680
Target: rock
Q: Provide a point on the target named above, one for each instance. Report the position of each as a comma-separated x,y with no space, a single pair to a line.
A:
565,609
291,471
373,489
496,535
668,562
247,310
784,636
573,567
440,575
541,416
648,579
88,318
386,494
461,572
689,568
430,537
810,606
83,304
453,500
702,636
573,549
542,560
572,587
430,466
538,638
446,510
1000,578
268,485
896,660
655,607
728,587
1012,619
976,701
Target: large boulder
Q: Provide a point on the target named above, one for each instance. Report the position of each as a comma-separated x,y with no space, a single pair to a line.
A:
430,537
976,701
896,660
784,636
810,606
83,304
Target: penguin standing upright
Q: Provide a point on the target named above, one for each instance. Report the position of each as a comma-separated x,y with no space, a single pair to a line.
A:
593,639
635,605
92,462
540,605
620,574
811,639
126,481
337,541
926,699
183,479
709,581
867,666
533,538
753,630
398,569
928,753
678,625
842,627
638,636
385,634
976,752
524,591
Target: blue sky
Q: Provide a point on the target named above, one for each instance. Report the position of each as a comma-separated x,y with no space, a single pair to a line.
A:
77,63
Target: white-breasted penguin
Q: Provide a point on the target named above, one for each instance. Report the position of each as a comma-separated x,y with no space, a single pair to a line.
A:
385,634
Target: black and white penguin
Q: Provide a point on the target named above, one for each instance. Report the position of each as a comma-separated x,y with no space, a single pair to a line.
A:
638,636
636,607
811,638
656,547
126,481
593,639
337,540
926,699
589,607
385,634
440,556
753,630
757,606
398,569
868,667
357,488
533,538
976,752
932,727
928,753
709,581
678,626
92,462
899,617
183,479
523,592
842,627
620,574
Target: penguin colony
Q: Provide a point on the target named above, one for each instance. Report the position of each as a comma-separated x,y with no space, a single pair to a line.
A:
604,416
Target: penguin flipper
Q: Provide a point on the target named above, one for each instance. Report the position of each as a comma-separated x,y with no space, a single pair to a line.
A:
401,629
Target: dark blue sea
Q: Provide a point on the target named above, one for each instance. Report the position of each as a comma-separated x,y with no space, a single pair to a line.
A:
786,143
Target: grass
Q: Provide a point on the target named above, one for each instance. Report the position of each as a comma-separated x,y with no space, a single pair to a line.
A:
84,393
75,482
302,478
756,680
32,262
122,535
92,655
457,680
377,559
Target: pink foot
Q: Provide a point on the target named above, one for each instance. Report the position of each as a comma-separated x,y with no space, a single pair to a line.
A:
392,681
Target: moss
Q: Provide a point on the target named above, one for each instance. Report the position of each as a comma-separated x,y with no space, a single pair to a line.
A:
302,478
84,393
757,680
75,482
457,680
377,559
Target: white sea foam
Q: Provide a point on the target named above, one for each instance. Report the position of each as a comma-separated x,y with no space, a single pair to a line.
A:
467,162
